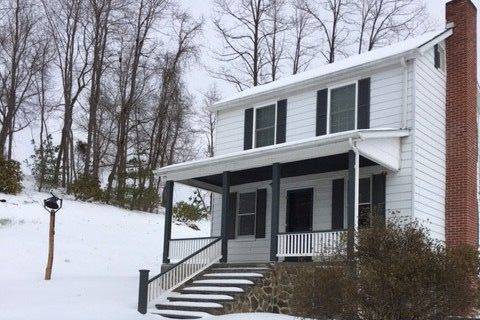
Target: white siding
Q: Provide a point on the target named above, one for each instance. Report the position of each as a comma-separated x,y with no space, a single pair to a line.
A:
229,132
429,151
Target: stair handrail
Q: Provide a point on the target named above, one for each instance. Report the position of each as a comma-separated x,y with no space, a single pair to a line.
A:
178,274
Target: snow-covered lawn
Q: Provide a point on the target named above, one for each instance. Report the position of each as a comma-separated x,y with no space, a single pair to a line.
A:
98,252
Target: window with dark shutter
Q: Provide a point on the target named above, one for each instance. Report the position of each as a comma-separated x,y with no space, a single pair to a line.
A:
338,190
322,106
363,118
281,121
261,213
232,215
248,129
246,214
436,51
378,195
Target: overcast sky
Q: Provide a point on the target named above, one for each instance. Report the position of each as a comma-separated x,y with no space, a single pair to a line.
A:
199,80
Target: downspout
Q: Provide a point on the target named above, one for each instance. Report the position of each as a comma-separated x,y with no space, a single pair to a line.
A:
353,145
404,64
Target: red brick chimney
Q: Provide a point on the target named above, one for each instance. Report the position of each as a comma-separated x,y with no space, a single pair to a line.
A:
461,208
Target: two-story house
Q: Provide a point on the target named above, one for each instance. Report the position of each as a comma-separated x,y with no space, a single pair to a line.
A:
302,159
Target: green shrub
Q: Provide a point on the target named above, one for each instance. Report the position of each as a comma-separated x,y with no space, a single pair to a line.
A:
10,176
400,273
86,188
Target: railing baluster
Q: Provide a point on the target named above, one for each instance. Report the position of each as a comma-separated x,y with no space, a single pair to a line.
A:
309,243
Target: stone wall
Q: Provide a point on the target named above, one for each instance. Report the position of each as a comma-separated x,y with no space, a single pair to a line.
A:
270,294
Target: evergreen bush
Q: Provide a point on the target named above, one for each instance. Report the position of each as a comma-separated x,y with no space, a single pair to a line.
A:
10,176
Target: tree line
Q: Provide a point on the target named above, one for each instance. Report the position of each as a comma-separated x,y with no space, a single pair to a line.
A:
104,81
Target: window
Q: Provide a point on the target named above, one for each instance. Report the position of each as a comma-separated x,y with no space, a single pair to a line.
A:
364,203
246,214
343,108
440,57
265,126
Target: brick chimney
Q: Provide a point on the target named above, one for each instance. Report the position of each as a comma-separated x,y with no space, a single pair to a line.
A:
461,208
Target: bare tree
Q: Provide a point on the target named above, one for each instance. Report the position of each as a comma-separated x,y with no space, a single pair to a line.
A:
99,12
18,65
67,30
330,16
303,50
381,22
275,36
240,24
208,119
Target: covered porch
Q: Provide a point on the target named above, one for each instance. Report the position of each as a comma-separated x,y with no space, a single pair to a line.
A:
287,201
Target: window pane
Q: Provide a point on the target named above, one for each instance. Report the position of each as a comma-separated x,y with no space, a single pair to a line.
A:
342,109
364,216
247,202
265,117
364,190
265,137
246,225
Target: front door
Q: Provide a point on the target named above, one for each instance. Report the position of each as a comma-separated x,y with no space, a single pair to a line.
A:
299,210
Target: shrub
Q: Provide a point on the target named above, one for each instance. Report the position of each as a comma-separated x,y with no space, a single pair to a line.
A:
401,273
87,188
10,176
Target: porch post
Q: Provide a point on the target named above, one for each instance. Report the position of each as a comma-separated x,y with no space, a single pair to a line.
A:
276,176
167,234
351,189
225,207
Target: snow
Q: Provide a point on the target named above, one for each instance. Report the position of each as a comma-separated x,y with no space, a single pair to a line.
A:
223,281
191,304
98,252
214,289
234,274
219,297
399,48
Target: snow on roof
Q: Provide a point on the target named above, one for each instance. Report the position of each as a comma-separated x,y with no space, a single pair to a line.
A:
377,55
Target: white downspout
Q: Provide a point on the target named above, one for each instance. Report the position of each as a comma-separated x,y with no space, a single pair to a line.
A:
404,64
353,145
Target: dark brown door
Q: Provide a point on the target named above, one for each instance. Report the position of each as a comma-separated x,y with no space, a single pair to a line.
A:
299,210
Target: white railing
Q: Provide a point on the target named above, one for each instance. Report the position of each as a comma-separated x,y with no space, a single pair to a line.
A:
185,269
181,248
310,244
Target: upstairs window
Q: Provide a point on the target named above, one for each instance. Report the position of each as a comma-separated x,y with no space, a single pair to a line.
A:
246,213
265,126
343,103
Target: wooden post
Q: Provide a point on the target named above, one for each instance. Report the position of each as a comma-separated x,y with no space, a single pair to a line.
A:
225,208
167,234
51,244
276,176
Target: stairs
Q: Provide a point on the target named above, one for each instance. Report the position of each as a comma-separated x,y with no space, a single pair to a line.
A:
203,295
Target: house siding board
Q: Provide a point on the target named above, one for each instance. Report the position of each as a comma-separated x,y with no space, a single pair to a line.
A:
429,152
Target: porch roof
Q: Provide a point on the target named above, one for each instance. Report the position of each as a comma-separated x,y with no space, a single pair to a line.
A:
381,146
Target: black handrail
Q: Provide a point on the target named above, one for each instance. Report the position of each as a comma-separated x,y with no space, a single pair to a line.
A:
308,232
144,281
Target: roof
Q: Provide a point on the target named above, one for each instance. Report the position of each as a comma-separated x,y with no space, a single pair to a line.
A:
295,151
408,48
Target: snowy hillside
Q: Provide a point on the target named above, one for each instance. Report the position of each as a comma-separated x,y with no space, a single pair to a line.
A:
98,252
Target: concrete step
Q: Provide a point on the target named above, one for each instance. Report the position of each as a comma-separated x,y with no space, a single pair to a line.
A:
224,282
188,306
200,297
179,314
211,290
232,275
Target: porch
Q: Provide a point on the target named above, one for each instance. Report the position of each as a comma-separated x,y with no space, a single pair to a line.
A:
305,196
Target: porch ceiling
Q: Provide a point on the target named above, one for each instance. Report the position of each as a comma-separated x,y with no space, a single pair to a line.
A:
315,155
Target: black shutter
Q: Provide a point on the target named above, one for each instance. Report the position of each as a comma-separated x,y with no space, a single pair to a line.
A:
232,216
261,213
322,101
363,120
281,121
437,56
378,195
248,129
338,192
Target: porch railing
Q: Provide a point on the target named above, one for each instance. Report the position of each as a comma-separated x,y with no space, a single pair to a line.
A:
309,244
184,270
181,248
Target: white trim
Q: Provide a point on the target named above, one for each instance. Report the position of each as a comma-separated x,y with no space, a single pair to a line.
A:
314,147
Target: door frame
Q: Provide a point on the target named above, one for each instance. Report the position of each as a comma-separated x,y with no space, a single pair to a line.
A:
287,209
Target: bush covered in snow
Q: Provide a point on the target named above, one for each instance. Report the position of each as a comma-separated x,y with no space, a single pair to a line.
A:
399,273
10,176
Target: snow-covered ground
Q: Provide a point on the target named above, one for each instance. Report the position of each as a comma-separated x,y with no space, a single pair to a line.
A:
98,252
